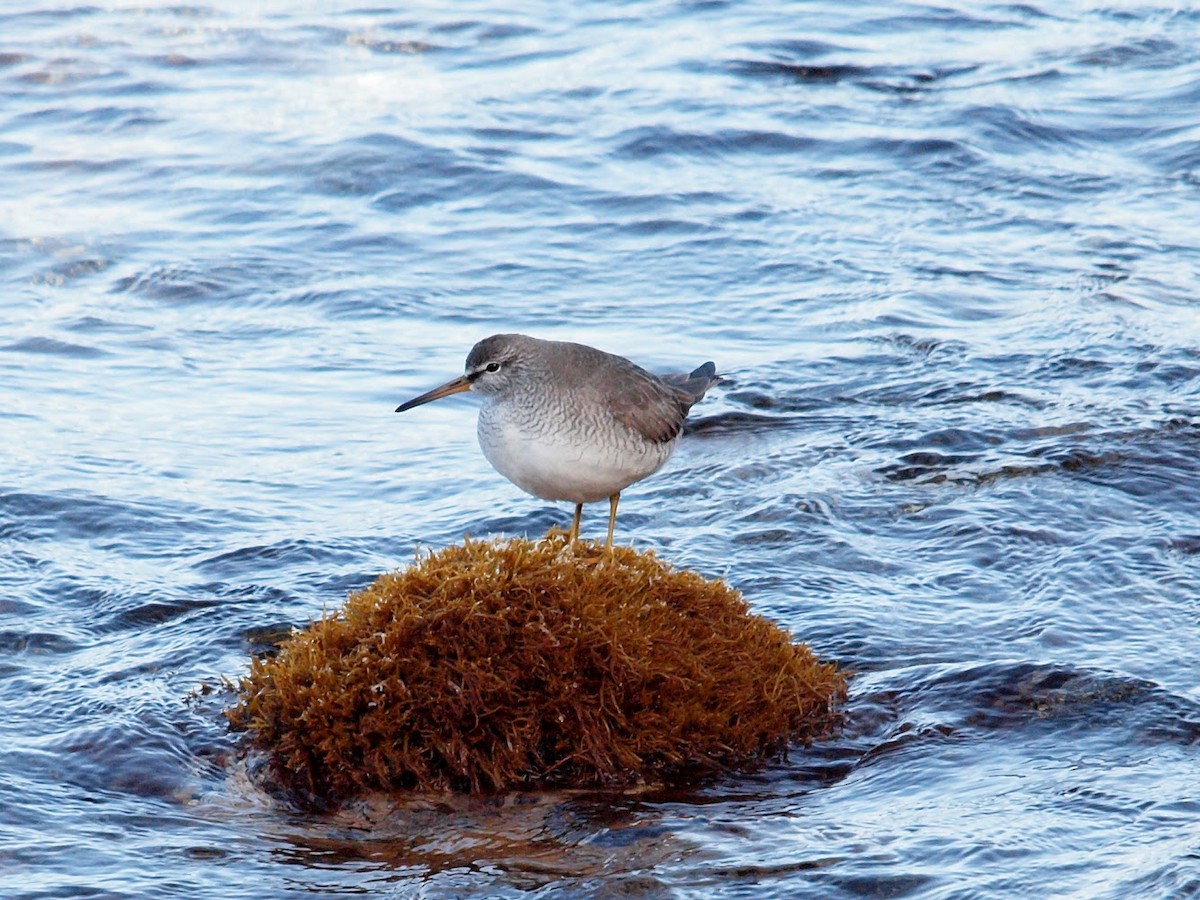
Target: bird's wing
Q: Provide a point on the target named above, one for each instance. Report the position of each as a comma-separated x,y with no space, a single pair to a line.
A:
651,408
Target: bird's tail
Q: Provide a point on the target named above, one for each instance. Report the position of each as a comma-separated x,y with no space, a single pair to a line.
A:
697,383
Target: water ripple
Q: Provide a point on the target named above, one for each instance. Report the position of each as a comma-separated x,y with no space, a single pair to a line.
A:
945,257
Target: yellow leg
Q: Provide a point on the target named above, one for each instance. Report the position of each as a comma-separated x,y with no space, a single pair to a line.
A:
573,534
612,517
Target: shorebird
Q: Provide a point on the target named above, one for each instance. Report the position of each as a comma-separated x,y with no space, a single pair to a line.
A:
565,421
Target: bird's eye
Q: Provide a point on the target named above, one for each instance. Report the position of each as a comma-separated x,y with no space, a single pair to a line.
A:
492,367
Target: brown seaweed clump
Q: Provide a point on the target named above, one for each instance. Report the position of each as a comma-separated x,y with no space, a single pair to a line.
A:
514,664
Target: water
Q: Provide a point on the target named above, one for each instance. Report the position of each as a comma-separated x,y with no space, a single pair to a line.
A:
947,259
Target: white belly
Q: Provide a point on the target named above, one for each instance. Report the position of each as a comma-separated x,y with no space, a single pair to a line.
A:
556,466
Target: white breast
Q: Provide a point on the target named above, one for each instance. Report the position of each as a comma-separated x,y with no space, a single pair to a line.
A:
578,465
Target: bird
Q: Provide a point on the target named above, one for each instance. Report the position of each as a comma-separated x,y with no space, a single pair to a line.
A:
565,421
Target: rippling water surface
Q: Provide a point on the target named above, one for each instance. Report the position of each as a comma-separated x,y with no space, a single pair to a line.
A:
947,259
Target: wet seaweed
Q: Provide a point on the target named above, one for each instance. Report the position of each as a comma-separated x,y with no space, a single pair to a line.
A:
515,664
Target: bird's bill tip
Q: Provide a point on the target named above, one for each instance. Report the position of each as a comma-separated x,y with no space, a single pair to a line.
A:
457,386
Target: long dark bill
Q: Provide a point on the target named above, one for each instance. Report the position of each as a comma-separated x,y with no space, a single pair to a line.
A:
457,386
